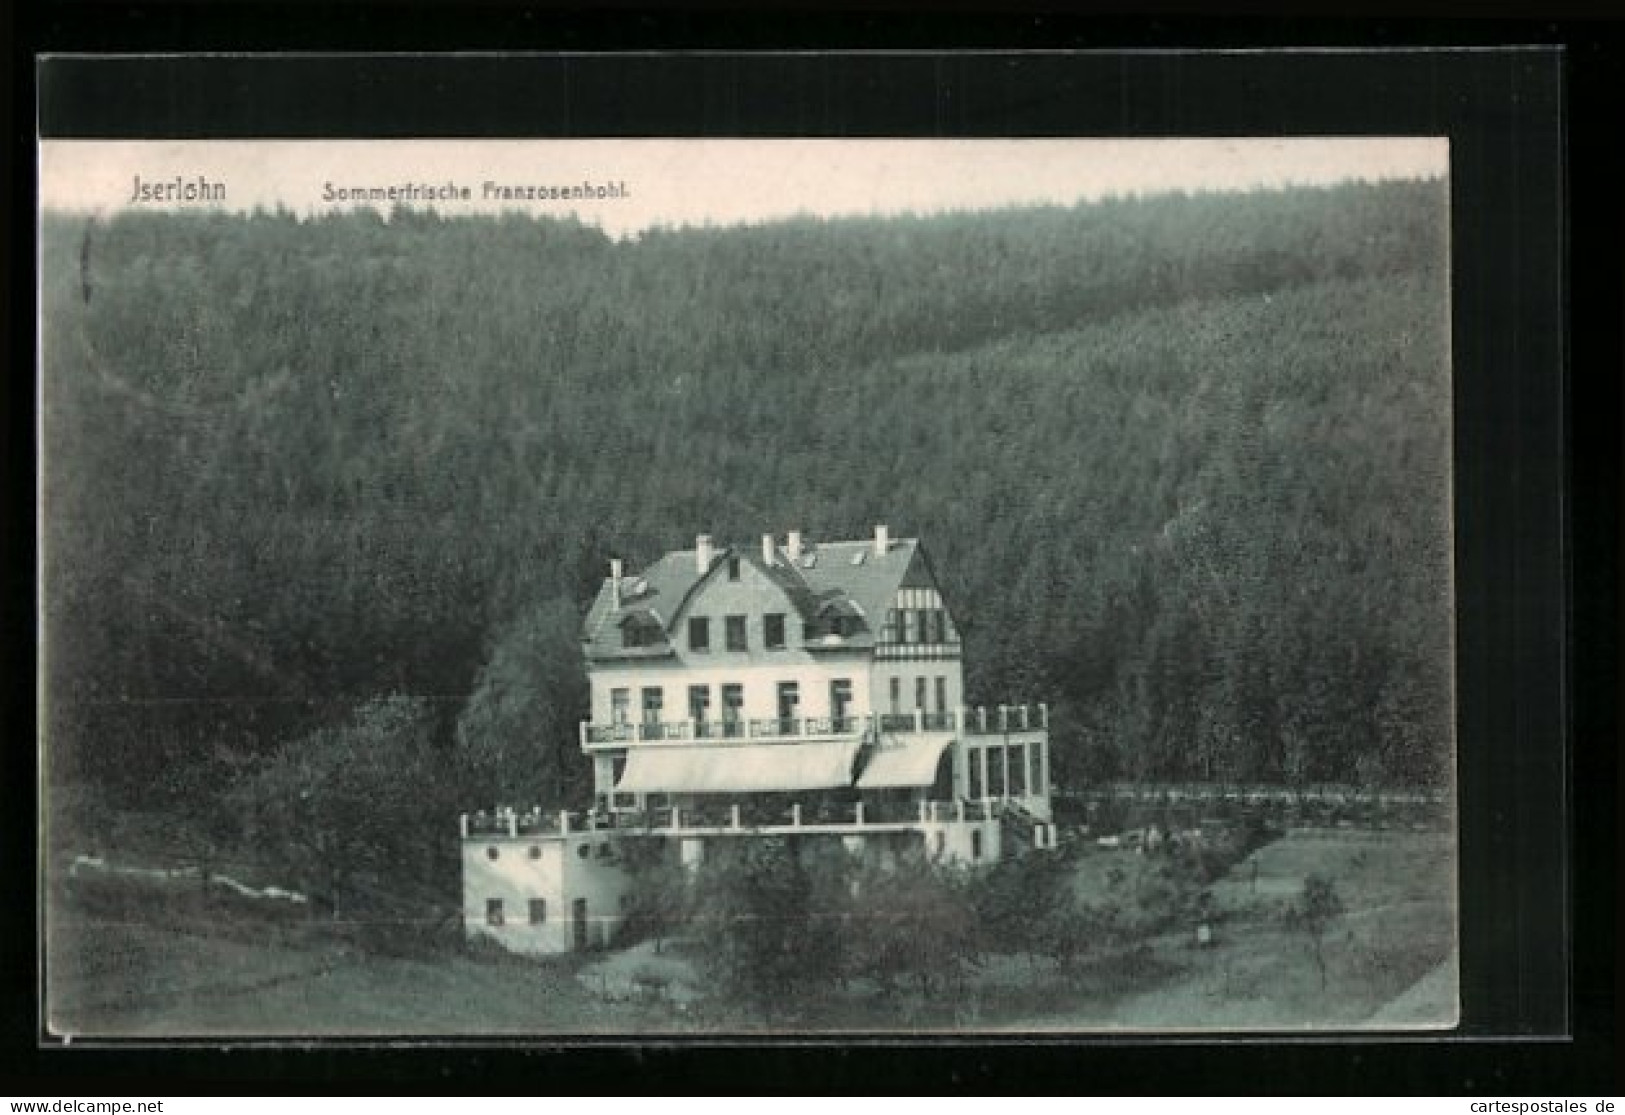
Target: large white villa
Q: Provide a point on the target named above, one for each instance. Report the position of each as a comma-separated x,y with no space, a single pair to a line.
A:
809,690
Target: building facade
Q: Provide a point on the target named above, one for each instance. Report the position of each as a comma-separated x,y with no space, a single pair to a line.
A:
800,689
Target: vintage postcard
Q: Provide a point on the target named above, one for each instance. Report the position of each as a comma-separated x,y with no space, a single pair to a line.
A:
663,587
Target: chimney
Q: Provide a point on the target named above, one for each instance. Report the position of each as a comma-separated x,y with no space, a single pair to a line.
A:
882,539
703,554
615,582
768,549
792,546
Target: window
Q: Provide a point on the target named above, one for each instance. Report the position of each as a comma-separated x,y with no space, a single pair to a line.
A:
538,911
840,702
699,704
896,695
1018,770
493,911
789,702
974,764
640,631
773,631
736,633
976,844
535,852
733,705
620,705
942,694
654,699
699,633
733,567
919,694
491,852
927,626
908,627
654,702
891,633
936,625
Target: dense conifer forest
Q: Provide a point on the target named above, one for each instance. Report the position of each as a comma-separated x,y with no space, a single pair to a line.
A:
1182,463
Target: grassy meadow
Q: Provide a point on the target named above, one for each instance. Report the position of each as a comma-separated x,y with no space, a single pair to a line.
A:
177,965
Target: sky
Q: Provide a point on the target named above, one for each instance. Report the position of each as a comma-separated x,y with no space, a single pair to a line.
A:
710,182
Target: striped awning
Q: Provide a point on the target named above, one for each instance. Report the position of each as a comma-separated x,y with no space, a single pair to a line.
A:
746,768
911,761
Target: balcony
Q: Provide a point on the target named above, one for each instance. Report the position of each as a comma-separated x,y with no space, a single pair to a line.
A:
532,822
756,816
739,818
1007,720
1004,720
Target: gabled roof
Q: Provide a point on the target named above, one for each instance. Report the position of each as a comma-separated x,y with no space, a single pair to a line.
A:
835,581
871,583
665,586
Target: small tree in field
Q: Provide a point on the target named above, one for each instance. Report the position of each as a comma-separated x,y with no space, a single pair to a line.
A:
1312,914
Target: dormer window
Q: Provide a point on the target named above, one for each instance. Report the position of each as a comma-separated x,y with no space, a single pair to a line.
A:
733,567
773,631
699,633
838,617
641,630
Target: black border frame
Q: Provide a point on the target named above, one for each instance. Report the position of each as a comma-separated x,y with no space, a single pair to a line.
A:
1525,641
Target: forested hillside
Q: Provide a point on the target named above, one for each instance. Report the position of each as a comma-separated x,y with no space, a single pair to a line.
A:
1182,462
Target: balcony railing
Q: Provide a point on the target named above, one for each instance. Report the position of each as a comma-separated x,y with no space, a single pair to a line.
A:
1007,718
832,725
531,822
746,815
1003,720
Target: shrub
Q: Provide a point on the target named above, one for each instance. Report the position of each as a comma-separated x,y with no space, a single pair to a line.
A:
354,816
758,919
912,923
659,894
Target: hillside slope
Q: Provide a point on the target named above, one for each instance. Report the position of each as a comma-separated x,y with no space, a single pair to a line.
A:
1182,462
